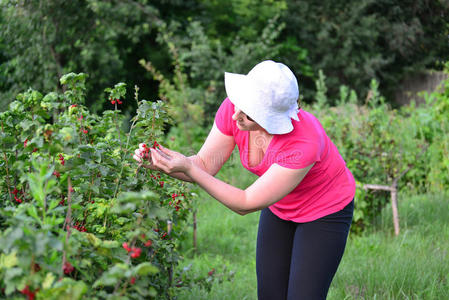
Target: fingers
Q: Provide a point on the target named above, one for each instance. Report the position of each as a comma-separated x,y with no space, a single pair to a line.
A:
137,158
165,155
159,161
141,154
166,150
143,147
159,157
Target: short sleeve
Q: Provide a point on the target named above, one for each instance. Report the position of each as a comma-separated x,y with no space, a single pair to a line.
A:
223,117
299,155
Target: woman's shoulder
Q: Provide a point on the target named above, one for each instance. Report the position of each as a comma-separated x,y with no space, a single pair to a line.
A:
306,131
308,124
227,103
223,117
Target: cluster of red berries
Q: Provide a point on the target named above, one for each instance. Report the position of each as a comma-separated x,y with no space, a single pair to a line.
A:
211,272
83,130
148,243
146,149
134,251
36,267
15,192
145,153
61,159
62,202
157,177
25,145
163,236
132,280
113,101
29,293
73,105
68,268
176,203
57,174
80,227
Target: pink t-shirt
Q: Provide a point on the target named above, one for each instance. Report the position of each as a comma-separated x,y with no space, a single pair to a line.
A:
328,186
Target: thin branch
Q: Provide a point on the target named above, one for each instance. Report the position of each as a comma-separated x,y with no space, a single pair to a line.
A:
67,222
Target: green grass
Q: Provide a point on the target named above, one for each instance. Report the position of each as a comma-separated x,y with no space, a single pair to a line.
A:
225,240
376,265
413,265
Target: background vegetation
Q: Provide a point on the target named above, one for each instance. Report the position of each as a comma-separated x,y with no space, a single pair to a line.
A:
351,41
75,209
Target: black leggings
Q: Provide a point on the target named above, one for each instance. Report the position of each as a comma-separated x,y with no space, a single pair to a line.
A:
297,261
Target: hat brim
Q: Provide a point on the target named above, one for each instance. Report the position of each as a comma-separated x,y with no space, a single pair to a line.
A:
243,93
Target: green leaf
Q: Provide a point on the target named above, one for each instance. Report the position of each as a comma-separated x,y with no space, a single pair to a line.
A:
48,281
13,236
12,272
9,260
53,204
32,211
111,276
93,240
145,269
110,244
41,241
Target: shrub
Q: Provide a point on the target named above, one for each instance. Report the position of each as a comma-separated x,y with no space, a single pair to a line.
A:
381,144
78,217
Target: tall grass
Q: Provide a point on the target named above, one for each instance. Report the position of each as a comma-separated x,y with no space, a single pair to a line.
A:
376,264
413,265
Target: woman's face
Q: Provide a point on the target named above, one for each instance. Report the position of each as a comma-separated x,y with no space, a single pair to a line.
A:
243,121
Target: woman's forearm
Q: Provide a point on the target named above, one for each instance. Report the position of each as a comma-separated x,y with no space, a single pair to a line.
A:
230,196
196,160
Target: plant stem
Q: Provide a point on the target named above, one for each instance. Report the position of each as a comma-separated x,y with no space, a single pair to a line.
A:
68,220
116,126
194,232
126,152
7,170
7,177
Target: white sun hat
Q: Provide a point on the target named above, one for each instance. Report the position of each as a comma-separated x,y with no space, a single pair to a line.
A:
268,95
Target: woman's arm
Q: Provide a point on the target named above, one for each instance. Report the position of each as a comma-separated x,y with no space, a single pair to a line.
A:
271,187
195,159
215,151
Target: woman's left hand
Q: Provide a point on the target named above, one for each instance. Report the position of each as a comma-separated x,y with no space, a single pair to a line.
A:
169,161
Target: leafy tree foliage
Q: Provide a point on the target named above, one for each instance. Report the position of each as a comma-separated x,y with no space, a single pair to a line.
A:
41,40
355,41
351,41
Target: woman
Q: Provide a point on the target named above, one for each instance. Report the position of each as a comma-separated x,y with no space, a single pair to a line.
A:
305,191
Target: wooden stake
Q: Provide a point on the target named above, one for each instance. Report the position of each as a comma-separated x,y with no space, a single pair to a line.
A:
394,207
394,201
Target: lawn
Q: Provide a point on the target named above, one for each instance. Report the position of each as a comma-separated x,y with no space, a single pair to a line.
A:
376,264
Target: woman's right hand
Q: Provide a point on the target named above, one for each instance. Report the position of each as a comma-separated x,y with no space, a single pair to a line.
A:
143,156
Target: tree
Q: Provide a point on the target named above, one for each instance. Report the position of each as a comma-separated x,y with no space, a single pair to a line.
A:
41,40
355,41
